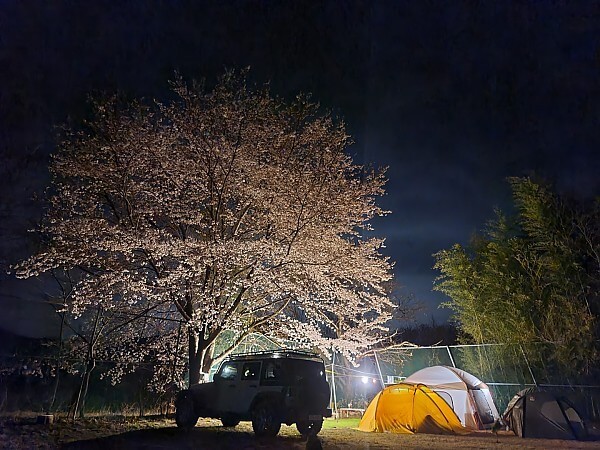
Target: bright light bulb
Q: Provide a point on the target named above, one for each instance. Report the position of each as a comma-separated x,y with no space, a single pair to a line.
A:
365,380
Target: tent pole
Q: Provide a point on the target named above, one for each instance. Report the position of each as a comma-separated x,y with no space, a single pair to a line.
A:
450,355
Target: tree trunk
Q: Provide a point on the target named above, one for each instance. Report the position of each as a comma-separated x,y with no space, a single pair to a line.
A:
89,367
79,398
58,364
195,357
200,356
207,360
141,400
88,374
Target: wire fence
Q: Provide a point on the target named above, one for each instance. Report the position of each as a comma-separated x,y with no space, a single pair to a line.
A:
33,383
506,369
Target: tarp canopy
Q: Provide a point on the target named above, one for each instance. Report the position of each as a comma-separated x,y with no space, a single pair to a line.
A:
467,395
410,408
535,413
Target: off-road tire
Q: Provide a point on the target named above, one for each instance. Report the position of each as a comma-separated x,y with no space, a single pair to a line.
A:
229,420
265,419
185,413
306,428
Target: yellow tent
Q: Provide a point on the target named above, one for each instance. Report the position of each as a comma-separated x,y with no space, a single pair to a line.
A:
410,408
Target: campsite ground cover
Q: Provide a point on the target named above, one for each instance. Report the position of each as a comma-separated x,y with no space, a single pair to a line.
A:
153,433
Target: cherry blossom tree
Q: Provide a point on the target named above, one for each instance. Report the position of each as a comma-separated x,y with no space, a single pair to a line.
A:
117,341
228,209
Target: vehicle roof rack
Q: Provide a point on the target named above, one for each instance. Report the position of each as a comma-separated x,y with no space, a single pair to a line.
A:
279,353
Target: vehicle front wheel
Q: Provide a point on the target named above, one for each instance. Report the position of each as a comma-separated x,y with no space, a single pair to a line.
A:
265,420
229,421
306,428
185,414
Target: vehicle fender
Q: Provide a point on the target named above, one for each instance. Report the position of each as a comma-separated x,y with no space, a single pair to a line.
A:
203,395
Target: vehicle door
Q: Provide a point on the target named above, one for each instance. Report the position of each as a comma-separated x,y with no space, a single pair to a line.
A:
274,377
247,387
226,380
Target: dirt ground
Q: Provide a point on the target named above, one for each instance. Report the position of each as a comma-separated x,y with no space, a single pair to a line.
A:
159,433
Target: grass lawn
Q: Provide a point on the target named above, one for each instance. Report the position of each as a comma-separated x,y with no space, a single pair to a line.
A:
350,422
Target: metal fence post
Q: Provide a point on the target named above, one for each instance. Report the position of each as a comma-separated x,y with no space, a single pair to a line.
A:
379,370
450,355
334,397
528,366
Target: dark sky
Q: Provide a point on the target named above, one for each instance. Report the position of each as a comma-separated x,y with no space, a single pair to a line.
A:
452,96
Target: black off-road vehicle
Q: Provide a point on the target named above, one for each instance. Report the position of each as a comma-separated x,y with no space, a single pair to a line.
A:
268,388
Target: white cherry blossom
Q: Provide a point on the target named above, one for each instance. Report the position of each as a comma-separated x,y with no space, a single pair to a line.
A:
228,210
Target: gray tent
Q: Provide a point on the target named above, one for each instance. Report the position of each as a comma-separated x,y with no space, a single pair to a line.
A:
536,413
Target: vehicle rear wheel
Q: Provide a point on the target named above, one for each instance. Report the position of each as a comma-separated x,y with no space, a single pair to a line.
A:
306,427
265,420
185,414
229,420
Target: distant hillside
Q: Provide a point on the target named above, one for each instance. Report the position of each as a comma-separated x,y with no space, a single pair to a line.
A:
14,344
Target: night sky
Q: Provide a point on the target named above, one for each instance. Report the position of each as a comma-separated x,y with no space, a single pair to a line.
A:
452,96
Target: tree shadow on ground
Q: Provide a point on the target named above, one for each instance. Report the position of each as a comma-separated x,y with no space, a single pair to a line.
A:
174,438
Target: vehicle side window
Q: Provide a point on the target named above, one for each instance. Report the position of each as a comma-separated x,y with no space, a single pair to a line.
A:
250,371
273,371
229,371
307,370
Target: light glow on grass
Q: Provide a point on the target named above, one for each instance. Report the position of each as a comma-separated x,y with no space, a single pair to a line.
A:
348,422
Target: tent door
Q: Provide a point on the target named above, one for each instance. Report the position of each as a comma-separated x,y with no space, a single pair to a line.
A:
483,407
447,398
577,425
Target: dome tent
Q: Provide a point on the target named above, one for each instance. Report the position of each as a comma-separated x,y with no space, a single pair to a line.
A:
410,408
536,413
467,395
